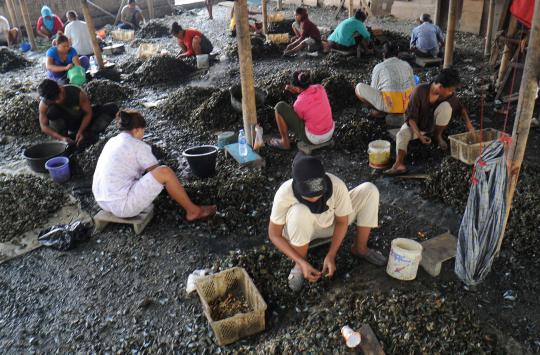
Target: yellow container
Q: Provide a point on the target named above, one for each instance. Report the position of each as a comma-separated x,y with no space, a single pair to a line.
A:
277,17
379,154
278,38
147,50
123,35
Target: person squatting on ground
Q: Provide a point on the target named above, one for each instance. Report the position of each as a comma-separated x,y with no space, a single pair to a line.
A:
77,32
349,34
61,58
431,107
392,83
131,16
427,38
48,24
310,118
310,37
8,35
317,205
128,176
191,41
66,114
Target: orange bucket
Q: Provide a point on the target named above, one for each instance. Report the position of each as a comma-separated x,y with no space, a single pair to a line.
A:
101,34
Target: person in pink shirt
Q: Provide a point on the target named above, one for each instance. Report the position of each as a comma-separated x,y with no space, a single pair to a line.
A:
310,118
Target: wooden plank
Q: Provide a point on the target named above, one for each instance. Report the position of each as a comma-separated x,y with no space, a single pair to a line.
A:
370,344
423,62
436,251
471,15
252,159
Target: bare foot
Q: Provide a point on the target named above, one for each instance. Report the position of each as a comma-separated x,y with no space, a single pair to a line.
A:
442,143
203,213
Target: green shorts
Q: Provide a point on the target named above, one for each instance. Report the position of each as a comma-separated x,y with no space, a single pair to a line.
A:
294,123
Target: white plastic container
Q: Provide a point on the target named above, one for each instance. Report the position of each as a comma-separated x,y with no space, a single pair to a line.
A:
202,61
379,154
405,256
352,338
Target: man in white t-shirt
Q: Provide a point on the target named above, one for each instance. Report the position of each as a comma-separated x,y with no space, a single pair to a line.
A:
78,34
317,205
8,35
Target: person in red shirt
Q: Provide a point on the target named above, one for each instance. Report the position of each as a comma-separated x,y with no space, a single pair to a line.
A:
310,37
48,24
191,41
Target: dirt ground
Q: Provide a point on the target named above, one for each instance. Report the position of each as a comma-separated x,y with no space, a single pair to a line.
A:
122,293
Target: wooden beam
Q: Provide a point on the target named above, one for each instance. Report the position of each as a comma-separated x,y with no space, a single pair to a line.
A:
150,4
524,112
264,5
279,5
508,50
437,16
122,4
92,30
351,8
11,12
450,34
101,9
489,29
249,111
27,23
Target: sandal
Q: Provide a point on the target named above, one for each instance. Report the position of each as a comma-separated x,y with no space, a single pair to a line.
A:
372,256
276,143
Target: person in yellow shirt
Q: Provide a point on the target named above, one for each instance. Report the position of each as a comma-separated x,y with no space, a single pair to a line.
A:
254,25
392,83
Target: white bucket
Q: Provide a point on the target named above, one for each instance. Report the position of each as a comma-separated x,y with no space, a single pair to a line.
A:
202,61
405,256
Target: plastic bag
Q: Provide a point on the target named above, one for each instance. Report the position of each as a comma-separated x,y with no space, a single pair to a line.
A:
259,141
190,285
483,220
65,236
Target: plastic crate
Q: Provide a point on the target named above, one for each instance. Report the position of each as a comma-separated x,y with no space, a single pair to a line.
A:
123,35
466,146
278,38
147,50
240,325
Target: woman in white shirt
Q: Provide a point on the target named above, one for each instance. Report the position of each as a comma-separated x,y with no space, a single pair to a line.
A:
128,177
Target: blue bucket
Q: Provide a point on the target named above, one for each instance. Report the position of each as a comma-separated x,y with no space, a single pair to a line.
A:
58,169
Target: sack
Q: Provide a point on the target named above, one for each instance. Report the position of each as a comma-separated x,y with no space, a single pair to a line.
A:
65,236
259,141
483,220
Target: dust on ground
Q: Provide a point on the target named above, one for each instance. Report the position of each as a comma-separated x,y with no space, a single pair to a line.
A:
125,293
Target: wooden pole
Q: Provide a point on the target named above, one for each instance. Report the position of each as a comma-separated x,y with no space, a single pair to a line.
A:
92,30
150,4
264,6
450,34
249,111
437,15
122,4
11,13
351,8
27,23
524,112
489,29
279,5
508,51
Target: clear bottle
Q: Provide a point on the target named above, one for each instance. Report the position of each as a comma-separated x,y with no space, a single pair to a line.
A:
93,65
242,144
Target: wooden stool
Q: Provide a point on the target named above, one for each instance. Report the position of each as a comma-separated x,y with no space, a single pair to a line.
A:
424,62
308,148
103,218
436,251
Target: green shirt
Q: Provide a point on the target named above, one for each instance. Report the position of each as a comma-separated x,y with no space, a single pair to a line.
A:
343,34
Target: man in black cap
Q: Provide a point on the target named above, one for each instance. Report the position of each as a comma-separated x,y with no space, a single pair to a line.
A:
317,205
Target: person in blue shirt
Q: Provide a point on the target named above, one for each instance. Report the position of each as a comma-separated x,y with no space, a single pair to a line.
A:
427,39
61,58
349,33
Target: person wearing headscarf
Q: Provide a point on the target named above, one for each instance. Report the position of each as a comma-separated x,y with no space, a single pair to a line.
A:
310,117
48,24
317,205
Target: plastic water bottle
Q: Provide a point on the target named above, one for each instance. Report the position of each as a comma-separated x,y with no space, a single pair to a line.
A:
93,65
242,144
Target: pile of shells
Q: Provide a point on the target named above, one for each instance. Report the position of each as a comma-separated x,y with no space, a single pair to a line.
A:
131,65
274,84
340,92
284,26
354,131
102,91
19,115
260,49
10,60
153,29
85,162
216,113
336,60
26,203
179,105
162,69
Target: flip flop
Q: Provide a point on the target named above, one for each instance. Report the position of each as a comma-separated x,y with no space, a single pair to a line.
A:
394,172
275,143
373,257
206,212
